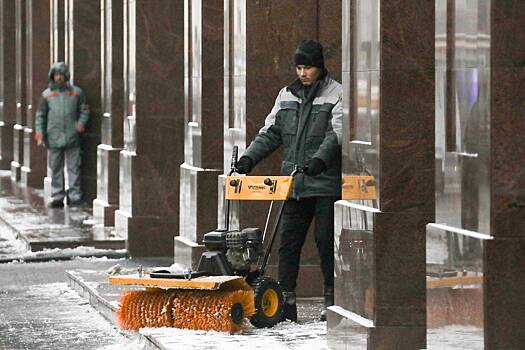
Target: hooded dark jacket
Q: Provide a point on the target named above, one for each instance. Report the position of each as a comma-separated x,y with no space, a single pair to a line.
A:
307,126
60,107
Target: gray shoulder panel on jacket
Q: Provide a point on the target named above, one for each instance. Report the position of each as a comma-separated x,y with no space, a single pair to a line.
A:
270,118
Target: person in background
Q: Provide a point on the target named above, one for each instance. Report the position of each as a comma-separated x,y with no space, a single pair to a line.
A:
60,120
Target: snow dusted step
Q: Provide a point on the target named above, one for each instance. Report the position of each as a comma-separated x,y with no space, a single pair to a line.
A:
23,211
40,234
91,290
65,237
63,254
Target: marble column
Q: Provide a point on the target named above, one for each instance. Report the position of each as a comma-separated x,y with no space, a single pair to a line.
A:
83,43
203,134
148,211
7,81
57,26
37,59
388,133
259,60
475,275
58,30
504,257
18,128
112,79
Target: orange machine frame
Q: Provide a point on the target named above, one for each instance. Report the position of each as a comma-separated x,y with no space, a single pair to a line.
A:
262,188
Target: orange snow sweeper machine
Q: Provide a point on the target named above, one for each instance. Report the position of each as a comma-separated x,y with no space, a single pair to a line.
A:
230,286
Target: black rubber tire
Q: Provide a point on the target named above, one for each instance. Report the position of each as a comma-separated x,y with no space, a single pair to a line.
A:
260,286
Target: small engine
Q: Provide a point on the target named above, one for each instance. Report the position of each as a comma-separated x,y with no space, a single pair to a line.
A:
231,252
243,248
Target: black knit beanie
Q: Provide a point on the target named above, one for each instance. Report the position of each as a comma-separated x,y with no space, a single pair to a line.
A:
309,53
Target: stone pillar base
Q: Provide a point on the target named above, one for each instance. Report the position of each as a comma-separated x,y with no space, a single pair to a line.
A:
198,212
27,178
47,189
380,276
397,338
35,164
16,172
346,329
6,145
107,200
504,279
104,213
88,186
198,201
121,223
188,253
18,152
147,236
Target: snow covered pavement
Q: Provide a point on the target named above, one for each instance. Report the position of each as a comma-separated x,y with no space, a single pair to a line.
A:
51,316
38,310
286,335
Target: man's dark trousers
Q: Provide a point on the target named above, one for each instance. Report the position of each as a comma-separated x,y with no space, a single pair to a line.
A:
297,216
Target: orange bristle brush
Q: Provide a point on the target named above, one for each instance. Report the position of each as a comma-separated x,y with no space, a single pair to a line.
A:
223,311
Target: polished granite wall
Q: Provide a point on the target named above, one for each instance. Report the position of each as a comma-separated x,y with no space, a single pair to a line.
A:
148,211
21,68
83,40
7,81
479,182
388,133
112,118
253,75
505,275
37,61
203,113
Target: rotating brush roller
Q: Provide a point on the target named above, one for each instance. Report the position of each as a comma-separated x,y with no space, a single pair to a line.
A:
223,311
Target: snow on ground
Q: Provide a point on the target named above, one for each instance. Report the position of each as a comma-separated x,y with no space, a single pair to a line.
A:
455,337
286,335
52,316
82,252
77,251
9,244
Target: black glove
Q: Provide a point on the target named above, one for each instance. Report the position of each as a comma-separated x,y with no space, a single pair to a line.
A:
314,166
244,165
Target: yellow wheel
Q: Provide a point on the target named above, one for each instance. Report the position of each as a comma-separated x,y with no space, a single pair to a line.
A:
269,302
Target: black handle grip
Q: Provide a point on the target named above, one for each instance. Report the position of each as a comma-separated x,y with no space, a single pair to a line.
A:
235,155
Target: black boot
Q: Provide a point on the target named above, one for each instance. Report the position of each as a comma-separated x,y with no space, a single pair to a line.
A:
328,301
290,307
